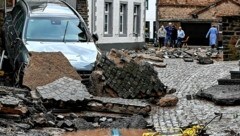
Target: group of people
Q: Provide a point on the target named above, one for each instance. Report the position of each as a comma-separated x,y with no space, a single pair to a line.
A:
170,36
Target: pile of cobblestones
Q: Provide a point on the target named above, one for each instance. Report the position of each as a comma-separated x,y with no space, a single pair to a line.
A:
127,77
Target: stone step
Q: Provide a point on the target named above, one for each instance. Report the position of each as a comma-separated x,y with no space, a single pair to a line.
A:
228,81
235,74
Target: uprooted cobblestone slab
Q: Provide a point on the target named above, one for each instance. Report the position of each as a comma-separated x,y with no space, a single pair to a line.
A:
64,89
72,93
126,77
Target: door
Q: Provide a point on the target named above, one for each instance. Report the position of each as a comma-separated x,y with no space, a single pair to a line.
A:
196,32
147,35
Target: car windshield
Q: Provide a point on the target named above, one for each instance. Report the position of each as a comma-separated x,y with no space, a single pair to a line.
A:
55,29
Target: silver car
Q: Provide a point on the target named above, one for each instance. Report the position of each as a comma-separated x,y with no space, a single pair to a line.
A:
47,26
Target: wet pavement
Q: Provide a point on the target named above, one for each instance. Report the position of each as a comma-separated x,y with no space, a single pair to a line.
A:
188,78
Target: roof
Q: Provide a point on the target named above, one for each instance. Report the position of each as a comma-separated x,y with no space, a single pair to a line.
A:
218,2
47,7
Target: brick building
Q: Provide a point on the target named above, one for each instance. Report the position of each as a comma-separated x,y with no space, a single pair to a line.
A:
196,16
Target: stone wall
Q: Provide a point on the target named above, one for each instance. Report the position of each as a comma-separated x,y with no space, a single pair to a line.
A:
186,2
231,32
82,8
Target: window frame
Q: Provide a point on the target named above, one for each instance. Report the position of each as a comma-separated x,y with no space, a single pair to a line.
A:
108,19
123,14
136,19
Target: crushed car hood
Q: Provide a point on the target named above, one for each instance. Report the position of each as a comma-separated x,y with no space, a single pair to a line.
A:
81,55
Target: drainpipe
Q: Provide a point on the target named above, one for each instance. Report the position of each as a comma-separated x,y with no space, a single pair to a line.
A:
157,22
92,16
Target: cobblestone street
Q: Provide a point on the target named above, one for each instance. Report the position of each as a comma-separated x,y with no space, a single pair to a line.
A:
189,78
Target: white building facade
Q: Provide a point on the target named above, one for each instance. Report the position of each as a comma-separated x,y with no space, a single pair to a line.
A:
150,19
119,23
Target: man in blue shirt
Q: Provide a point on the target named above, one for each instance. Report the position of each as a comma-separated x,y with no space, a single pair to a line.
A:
169,34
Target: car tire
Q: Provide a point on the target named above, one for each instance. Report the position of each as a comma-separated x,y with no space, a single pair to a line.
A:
18,75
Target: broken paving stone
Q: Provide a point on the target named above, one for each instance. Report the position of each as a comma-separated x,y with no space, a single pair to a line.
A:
64,89
60,117
103,119
159,54
73,115
168,101
205,61
170,90
152,58
188,59
81,124
12,105
222,94
160,65
68,123
51,123
9,101
135,121
23,126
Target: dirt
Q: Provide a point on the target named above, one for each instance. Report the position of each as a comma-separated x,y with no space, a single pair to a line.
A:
107,132
46,67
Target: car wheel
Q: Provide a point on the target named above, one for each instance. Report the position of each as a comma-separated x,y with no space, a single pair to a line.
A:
18,75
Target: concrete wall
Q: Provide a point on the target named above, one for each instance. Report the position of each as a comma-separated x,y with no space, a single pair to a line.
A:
96,14
151,15
231,29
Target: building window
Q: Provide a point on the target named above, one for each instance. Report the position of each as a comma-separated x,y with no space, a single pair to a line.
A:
146,4
123,19
136,20
108,18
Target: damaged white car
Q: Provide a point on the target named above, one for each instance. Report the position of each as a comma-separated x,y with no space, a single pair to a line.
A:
47,26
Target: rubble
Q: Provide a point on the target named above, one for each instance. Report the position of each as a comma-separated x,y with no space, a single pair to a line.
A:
66,92
136,121
126,77
47,67
168,101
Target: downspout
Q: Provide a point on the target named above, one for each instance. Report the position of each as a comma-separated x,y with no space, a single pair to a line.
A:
92,16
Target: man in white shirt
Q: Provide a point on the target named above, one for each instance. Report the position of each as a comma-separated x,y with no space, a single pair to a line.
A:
180,36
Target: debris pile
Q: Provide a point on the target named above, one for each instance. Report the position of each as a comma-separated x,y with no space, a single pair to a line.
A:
71,95
46,67
203,56
20,114
120,75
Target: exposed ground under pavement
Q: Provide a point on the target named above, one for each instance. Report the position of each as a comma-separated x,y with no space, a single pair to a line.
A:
188,78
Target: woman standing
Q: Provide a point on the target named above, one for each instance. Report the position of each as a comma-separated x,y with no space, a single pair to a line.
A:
212,34
161,36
